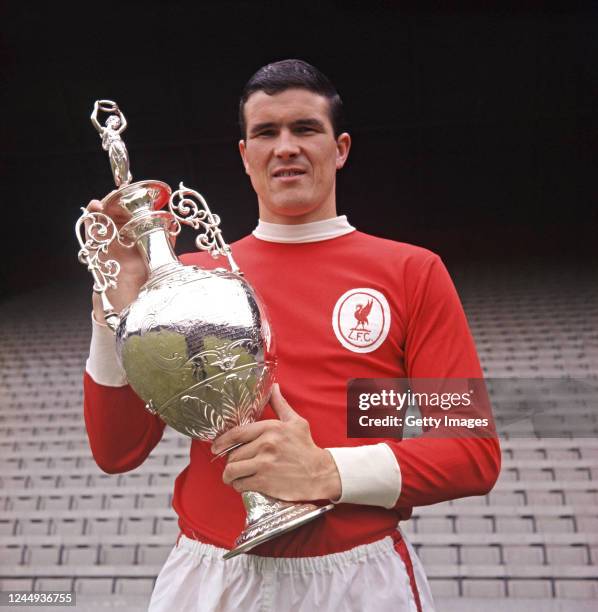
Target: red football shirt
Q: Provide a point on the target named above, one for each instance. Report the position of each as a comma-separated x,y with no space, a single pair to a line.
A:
309,290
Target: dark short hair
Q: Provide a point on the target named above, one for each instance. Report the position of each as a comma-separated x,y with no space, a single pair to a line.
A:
288,74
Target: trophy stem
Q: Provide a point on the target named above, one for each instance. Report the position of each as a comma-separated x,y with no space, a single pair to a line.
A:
268,518
156,250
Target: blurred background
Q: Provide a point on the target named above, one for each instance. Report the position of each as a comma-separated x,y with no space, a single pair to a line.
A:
473,130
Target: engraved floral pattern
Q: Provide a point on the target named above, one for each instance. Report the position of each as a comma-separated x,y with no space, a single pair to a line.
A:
211,409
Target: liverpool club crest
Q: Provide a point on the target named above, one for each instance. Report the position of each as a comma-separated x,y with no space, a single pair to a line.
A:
361,320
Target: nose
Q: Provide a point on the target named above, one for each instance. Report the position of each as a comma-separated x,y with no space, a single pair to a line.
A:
286,146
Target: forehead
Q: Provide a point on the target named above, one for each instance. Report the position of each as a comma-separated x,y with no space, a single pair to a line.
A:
286,107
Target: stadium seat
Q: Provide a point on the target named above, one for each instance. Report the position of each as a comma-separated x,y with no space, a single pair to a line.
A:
77,556
523,555
117,555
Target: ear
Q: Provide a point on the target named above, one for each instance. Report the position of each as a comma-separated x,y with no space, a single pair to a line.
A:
242,151
343,145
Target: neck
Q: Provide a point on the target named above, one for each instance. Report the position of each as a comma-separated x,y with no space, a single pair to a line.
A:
315,231
326,210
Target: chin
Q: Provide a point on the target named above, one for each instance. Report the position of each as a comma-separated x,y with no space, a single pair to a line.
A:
292,208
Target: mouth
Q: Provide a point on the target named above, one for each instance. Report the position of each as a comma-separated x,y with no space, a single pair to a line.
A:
288,173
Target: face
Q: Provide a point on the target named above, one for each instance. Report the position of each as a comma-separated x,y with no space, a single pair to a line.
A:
291,155
113,122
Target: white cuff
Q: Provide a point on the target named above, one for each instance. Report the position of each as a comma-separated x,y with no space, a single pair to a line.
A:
370,475
102,364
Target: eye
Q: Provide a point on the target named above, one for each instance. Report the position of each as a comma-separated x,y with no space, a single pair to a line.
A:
304,129
266,133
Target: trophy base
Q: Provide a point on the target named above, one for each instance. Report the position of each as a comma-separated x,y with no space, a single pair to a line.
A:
275,525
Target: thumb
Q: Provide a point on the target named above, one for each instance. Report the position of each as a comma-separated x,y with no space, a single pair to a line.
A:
280,405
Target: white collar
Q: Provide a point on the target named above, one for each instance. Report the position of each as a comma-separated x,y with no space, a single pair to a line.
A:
303,232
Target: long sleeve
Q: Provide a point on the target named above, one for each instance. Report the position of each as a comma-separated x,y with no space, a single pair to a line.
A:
443,463
120,430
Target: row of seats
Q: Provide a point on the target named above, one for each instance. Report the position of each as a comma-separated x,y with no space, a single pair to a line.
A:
441,587
22,485
83,499
495,351
82,555
509,555
558,488
490,523
86,526
148,554
543,424
112,585
551,392
467,561
526,589
56,447
45,477
497,503
75,442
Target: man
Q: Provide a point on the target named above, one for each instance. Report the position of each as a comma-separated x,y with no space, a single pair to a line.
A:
343,305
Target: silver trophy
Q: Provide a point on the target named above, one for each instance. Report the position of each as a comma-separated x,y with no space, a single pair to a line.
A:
196,344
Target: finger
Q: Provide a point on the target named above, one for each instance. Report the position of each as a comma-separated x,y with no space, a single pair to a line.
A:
251,483
239,469
280,405
99,205
245,451
118,214
242,434
94,206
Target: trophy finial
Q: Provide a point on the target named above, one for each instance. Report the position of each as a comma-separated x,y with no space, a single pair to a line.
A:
112,142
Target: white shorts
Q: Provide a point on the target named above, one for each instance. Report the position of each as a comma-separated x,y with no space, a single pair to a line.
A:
383,575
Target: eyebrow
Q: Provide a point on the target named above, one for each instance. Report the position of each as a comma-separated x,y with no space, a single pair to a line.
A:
307,122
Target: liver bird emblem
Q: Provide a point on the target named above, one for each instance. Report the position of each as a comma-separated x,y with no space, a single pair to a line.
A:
361,314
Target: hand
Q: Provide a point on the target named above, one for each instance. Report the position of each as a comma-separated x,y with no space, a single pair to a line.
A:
279,458
133,272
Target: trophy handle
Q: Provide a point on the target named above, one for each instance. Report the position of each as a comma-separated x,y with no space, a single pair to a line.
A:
189,207
95,233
